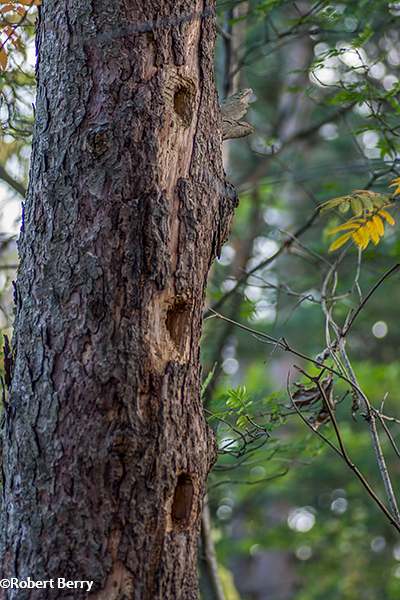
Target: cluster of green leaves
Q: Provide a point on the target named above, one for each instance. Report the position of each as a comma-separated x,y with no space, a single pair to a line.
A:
239,404
345,537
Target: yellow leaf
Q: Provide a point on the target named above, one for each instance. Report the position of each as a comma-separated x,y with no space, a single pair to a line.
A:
344,227
365,235
360,239
387,216
367,225
379,224
395,182
339,242
3,59
375,237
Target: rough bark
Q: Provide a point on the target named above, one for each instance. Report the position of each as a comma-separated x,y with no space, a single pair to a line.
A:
105,446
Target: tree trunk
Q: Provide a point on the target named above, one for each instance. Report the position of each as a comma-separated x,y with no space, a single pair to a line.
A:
106,450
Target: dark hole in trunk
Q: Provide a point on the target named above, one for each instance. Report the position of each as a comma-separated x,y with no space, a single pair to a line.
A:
177,319
183,104
183,500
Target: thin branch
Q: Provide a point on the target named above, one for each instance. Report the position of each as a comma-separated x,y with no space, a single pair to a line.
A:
339,355
13,183
302,134
393,519
370,417
342,452
308,424
285,246
283,345
388,432
245,482
359,308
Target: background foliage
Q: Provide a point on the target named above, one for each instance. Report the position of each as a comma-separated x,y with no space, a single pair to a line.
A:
290,520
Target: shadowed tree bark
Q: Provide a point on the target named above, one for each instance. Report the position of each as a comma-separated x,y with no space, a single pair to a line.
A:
105,447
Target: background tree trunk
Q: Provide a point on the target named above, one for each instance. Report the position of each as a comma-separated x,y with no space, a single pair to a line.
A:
106,450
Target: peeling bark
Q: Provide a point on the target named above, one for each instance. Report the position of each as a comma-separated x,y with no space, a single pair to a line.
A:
106,450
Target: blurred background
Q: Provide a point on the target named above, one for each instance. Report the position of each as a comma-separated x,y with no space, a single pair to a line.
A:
289,519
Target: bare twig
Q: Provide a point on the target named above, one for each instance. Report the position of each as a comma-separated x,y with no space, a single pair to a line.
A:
388,432
370,418
338,353
13,183
249,482
282,344
266,262
359,308
341,451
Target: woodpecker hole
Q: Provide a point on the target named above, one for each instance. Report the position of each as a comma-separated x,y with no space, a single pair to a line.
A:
183,103
177,319
183,501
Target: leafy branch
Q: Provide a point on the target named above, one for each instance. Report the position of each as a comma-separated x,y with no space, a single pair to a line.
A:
368,222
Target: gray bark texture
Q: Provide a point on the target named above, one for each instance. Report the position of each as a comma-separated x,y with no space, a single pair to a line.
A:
105,446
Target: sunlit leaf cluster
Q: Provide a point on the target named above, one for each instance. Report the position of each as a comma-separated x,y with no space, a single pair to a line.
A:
370,216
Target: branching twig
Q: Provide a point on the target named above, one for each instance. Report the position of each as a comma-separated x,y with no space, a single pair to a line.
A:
339,355
388,433
370,418
341,451
285,246
359,308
